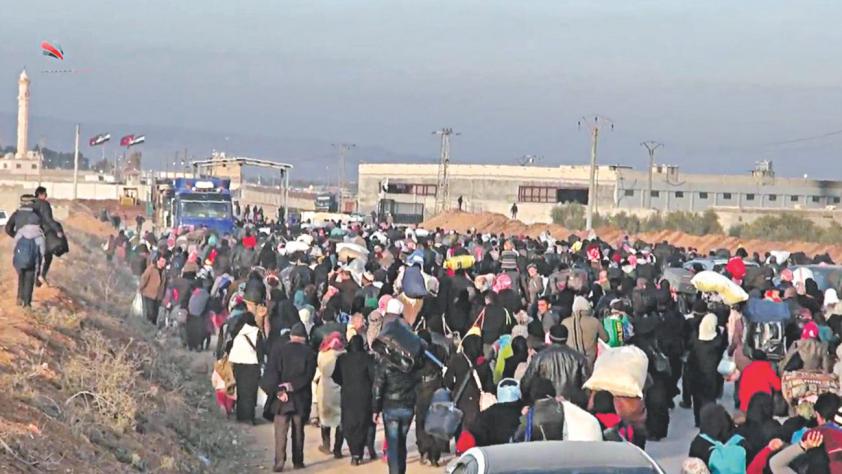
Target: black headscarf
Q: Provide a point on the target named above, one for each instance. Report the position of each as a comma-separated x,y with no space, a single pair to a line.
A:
472,347
356,344
715,422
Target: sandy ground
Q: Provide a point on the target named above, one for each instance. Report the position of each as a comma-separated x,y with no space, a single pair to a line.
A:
669,453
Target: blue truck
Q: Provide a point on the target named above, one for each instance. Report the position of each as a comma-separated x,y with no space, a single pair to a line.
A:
197,202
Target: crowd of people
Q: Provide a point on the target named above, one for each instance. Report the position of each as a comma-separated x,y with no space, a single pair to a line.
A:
513,327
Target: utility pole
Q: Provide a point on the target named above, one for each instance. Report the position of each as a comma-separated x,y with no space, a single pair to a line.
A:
593,123
442,191
651,146
76,166
343,148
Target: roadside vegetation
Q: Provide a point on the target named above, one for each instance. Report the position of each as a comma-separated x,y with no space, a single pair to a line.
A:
572,216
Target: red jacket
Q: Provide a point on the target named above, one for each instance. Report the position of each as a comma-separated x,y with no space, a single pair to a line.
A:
759,376
758,464
832,434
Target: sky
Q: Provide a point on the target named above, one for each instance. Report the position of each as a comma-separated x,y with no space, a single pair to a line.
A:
721,84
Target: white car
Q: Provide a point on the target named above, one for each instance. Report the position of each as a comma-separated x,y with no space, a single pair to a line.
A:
556,457
3,217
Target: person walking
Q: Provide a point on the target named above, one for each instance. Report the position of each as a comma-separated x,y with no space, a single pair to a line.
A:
49,225
354,373
514,210
287,382
705,352
328,396
24,225
393,396
152,287
584,330
246,356
566,368
459,203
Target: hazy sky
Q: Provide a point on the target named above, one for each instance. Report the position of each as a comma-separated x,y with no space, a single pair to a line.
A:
716,81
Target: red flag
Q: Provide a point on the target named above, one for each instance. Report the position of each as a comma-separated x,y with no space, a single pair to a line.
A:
127,141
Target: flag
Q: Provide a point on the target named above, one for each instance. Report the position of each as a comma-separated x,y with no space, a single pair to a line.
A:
99,139
126,141
137,140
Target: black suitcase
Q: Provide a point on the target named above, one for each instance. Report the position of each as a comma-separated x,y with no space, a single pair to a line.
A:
398,346
56,245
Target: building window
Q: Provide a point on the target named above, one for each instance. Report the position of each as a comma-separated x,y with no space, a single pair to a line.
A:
679,194
417,189
749,197
536,194
629,192
33,166
773,197
703,195
17,166
836,200
793,198
726,196
655,194
814,198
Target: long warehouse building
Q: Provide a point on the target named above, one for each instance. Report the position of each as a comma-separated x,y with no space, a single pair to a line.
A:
537,189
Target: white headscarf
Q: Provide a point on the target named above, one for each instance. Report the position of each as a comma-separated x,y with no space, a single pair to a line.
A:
707,328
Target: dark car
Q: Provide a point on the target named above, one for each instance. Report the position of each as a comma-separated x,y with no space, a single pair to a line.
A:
556,457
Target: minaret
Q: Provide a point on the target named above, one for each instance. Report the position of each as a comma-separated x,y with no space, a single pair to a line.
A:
23,115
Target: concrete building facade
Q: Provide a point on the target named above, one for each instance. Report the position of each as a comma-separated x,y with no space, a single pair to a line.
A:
536,190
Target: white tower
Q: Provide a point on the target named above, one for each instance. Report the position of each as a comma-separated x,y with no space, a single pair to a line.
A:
23,115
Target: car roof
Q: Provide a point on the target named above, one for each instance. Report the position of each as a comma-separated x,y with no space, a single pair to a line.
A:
573,454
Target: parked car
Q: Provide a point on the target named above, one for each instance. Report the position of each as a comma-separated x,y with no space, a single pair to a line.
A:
715,264
556,457
826,276
3,217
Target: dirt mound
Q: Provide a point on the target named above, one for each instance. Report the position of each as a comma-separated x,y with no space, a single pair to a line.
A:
498,223
86,389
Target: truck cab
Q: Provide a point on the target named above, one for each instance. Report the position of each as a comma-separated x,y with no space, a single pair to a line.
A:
200,202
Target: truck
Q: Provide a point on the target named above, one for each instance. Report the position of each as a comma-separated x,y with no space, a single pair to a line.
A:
327,202
194,203
400,212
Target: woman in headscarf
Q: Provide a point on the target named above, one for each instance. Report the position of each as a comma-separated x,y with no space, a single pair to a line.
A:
498,423
354,372
809,296
469,363
760,426
613,427
717,425
429,448
246,355
520,355
328,393
807,353
375,319
705,352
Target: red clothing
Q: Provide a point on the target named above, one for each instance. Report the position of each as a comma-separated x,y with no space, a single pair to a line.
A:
758,464
610,420
249,241
759,376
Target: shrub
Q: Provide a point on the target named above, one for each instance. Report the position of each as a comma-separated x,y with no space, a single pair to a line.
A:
102,382
788,227
573,216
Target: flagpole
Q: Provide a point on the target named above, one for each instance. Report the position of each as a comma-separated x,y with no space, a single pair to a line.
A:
76,166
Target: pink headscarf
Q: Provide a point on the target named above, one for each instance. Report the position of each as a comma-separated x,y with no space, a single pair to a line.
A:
502,282
332,341
810,331
382,302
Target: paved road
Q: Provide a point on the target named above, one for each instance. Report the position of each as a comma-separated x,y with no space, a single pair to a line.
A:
670,453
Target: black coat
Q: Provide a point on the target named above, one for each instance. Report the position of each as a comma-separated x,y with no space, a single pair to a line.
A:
458,369
355,374
292,363
497,424
702,362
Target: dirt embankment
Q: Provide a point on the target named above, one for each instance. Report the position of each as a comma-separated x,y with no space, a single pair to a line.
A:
83,389
498,223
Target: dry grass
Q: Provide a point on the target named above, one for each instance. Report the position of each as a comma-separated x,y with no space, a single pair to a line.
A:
102,380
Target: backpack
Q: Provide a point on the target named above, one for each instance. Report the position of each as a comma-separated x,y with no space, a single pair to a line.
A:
728,458
617,331
413,283
26,254
765,336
